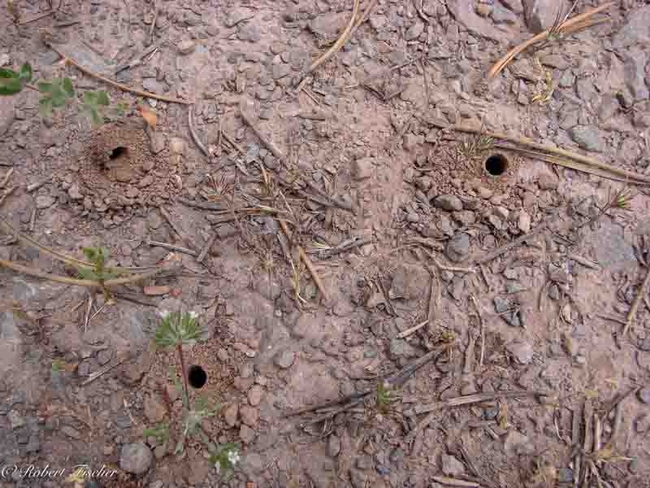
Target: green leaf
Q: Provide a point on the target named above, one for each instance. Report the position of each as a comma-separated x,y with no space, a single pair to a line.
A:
90,98
10,86
59,99
95,116
8,73
26,73
67,86
45,107
45,86
102,98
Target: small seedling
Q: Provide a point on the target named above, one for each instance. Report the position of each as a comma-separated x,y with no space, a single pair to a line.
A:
384,397
226,458
160,432
175,330
58,365
98,256
57,92
475,145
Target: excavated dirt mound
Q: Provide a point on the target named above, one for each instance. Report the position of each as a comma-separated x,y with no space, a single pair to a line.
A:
117,169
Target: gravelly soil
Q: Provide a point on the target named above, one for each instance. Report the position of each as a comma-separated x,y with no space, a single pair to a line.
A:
364,164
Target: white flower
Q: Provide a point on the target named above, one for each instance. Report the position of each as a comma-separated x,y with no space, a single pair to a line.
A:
163,314
193,315
233,457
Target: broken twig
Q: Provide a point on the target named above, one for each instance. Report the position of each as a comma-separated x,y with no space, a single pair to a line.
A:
637,302
115,84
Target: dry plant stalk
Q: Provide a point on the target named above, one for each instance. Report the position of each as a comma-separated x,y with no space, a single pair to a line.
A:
567,27
112,83
313,272
587,165
339,42
637,302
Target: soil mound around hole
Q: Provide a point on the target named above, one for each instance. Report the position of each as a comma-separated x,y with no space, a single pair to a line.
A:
117,169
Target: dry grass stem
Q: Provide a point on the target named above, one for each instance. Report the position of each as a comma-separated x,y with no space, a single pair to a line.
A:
115,84
567,27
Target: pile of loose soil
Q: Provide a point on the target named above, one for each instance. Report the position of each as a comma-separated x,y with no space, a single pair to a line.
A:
117,169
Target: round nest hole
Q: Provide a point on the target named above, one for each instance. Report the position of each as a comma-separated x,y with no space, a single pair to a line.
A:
118,152
117,169
496,165
197,377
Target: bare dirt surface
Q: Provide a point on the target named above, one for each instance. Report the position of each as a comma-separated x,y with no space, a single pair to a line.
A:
527,378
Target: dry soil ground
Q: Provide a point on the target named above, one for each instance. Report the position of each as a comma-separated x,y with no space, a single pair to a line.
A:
395,215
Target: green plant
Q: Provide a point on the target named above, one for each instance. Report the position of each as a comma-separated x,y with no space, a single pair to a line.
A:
160,432
12,82
384,397
58,365
98,256
176,329
57,92
226,457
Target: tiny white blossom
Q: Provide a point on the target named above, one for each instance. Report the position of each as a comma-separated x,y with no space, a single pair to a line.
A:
233,457
163,313
193,315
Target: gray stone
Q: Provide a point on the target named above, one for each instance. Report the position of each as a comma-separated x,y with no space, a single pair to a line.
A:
230,415
285,359
636,31
409,282
642,423
501,15
634,72
414,31
157,142
152,85
644,395
246,434
135,458
186,47
154,410
540,14
44,201
249,32
464,13
508,310
452,466
450,203
71,432
333,445
7,113
34,444
412,217
15,419
74,193
517,444
327,26
192,19
237,15
524,221
255,395
362,168
521,351
587,137
399,348
458,247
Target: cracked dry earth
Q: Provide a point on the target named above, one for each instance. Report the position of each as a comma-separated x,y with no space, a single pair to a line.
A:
364,164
